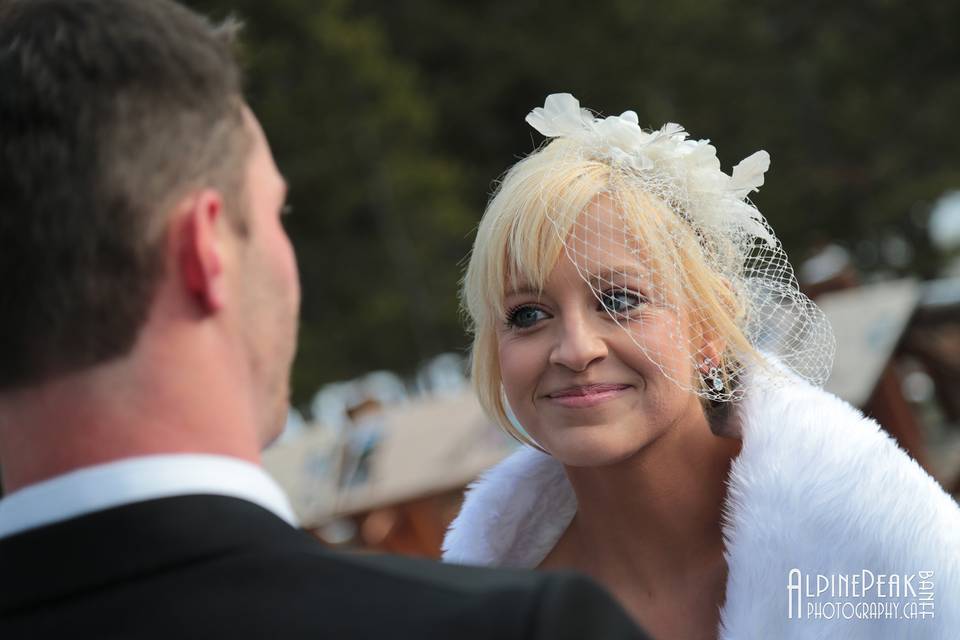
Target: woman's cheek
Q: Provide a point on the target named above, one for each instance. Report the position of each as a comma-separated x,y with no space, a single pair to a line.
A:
520,372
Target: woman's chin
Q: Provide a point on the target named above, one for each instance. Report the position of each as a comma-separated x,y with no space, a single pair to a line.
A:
595,446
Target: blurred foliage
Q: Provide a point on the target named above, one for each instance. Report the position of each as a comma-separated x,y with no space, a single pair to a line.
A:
391,121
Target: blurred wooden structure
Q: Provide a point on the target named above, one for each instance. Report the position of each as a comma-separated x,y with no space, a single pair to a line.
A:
887,331
869,323
424,453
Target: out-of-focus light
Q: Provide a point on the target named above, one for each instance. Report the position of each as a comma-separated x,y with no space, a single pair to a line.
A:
897,252
945,221
917,386
827,263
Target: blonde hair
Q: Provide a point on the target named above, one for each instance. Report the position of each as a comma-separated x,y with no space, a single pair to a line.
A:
522,236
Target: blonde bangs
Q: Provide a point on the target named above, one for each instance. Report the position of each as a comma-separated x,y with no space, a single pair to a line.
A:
522,232
519,241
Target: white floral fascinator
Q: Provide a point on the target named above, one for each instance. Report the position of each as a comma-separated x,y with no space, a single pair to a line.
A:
711,222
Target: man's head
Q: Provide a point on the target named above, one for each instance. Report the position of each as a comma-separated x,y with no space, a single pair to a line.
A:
128,161
110,111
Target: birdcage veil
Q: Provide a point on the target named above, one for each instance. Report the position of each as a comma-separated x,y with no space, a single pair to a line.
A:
672,239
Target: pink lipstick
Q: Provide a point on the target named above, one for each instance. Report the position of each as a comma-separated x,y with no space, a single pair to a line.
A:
587,395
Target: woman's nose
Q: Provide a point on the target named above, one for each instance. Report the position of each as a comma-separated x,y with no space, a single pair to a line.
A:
578,344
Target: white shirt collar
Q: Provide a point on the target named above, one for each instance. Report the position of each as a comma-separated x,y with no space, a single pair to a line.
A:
135,480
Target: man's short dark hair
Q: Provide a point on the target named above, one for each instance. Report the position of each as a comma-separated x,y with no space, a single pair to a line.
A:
110,111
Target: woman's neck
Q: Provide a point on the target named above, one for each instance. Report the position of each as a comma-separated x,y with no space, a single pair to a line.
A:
657,516
649,529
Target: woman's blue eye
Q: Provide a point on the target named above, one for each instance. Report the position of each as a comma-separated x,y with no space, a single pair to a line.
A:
621,301
524,316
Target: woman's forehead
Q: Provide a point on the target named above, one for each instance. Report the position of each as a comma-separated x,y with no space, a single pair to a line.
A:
580,270
602,241
611,239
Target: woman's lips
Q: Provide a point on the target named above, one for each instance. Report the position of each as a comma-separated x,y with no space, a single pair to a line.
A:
588,395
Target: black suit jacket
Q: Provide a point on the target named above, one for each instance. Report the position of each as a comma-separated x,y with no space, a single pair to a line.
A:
218,567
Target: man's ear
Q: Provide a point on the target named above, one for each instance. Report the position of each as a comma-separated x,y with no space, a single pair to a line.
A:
199,238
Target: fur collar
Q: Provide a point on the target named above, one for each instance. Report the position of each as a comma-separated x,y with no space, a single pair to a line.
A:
817,487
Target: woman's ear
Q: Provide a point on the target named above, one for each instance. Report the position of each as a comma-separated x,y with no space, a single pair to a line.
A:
710,346
722,415
712,349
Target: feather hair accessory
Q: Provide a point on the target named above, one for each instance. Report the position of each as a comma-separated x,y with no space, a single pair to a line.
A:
759,310
716,199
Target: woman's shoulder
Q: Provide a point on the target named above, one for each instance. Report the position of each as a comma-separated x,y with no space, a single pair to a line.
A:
820,488
814,449
514,514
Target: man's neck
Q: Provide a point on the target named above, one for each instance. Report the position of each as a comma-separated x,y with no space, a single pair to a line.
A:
116,411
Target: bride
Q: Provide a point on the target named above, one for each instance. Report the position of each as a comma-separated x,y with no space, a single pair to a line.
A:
637,325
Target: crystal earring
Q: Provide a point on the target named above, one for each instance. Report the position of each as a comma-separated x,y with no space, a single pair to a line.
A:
712,378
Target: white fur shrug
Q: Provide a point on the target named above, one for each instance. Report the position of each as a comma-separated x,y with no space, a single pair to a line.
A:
817,487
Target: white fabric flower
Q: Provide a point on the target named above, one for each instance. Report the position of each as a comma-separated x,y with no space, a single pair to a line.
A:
715,199
560,116
714,218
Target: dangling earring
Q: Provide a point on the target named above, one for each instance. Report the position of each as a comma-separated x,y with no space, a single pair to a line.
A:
712,378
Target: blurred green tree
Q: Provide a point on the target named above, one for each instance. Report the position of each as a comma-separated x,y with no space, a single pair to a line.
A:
379,221
855,101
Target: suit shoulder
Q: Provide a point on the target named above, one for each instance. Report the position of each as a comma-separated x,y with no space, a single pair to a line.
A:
572,606
502,603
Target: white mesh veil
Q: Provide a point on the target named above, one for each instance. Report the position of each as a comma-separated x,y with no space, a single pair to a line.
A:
677,254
